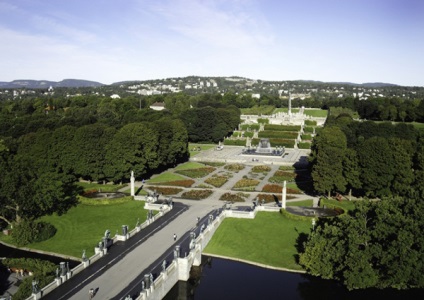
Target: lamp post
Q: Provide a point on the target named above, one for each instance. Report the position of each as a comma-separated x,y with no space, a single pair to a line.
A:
313,224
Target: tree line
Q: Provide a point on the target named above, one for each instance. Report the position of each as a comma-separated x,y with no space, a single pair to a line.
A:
367,158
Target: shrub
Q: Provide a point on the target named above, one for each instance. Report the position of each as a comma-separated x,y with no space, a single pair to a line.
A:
304,145
44,231
263,121
252,127
310,123
238,142
277,134
248,134
282,127
308,129
306,137
27,232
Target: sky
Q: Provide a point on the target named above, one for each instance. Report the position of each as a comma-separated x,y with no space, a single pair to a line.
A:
115,40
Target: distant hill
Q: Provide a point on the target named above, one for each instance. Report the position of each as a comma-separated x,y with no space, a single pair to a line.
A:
45,84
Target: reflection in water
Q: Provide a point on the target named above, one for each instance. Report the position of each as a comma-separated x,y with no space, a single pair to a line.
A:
229,280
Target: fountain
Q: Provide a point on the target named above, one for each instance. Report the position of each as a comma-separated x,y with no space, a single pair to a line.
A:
264,148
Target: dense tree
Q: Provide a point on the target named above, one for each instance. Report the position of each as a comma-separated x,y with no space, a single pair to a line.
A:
28,192
378,171
89,150
328,155
133,148
378,244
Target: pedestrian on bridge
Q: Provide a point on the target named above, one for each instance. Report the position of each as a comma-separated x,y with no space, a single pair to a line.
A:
175,237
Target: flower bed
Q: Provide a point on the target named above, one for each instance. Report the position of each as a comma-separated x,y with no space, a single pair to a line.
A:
281,176
216,181
196,173
271,197
232,197
246,184
183,183
234,167
196,194
166,190
261,169
276,188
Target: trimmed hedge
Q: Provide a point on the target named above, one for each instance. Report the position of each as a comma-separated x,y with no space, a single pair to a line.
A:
238,142
282,127
310,123
304,145
278,134
245,127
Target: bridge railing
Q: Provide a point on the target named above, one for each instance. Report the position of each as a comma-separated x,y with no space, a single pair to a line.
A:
99,253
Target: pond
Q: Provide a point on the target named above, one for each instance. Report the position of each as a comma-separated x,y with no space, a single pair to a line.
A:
225,279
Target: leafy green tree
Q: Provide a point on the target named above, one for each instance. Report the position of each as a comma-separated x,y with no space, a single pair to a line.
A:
378,244
328,155
28,192
377,168
89,150
133,148
351,170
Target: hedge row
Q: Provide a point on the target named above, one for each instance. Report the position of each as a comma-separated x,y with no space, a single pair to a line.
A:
238,142
277,134
282,127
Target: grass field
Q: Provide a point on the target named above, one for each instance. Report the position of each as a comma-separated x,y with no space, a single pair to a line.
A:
82,227
189,166
268,239
164,177
193,148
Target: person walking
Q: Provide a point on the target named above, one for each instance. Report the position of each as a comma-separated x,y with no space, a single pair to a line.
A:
175,237
91,293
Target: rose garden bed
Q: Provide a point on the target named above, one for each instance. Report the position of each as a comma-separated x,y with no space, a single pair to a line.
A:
196,194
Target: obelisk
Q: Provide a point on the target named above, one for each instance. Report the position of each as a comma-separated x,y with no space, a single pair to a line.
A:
132,184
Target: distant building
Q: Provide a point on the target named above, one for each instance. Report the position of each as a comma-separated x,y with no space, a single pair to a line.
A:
158,106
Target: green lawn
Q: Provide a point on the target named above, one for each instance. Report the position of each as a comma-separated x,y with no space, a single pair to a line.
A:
317,113
418,125
82,227
189,166
268,239
102,187
164,177
192,146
